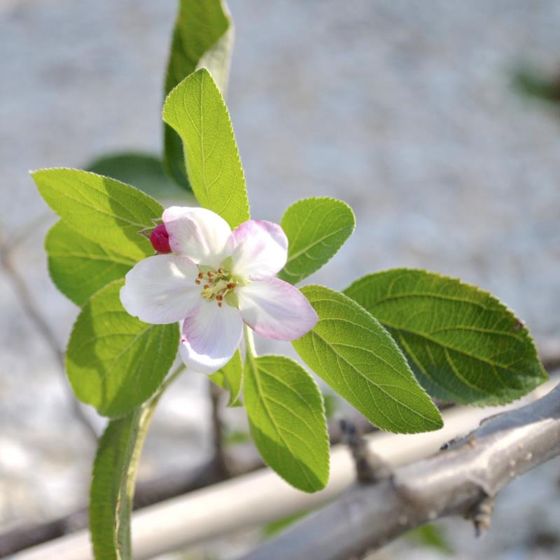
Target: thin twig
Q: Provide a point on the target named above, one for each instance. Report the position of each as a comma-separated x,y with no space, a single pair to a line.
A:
370,467
220,460
549,352
258,498
31,309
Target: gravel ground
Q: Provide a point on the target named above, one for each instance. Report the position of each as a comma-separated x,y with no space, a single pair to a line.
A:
403,109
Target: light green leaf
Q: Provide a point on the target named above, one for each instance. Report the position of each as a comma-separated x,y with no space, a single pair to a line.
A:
287,420
463,344
78,266
142,170
202,36
104,210
316,229
230,378
114,361
196,110
358,358
112,488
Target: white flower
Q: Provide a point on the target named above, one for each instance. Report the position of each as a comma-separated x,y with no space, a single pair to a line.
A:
214,280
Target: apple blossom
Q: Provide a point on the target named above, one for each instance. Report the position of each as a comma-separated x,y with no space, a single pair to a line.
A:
213,280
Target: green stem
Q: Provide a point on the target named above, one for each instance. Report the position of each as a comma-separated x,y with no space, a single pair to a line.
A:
251,351
144,422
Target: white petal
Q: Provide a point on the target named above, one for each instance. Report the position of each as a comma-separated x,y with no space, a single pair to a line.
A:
161,289
275,309
261,249
211,334
198,233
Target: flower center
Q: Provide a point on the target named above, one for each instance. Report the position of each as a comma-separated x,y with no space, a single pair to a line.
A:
217,285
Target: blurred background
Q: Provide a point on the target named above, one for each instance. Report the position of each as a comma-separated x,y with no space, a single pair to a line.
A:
437,121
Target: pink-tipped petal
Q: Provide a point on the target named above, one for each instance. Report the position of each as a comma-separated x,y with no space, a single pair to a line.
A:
161,289
198,233
261,249
275,309
210,336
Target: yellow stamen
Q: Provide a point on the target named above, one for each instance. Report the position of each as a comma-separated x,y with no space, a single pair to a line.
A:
217,285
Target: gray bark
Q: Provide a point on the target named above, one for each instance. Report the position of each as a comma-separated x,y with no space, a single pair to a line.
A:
459,480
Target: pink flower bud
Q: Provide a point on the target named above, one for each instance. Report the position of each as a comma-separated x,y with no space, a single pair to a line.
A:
160,239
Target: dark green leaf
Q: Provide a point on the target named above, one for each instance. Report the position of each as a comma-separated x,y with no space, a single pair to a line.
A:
538,85
114,361
203,36
358,358
112,489
463,343
114,477
144,171
316,229
287,420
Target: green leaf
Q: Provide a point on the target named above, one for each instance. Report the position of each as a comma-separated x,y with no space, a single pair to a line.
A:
536,84
287,420
78,266
331,404
114,361
230,378
431,536
203,36
112,487
280,525
145,171
316,229
114,477
196,110
358,358
236,437
106,211
463,343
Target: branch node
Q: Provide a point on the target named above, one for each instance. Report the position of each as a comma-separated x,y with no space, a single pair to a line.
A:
370,468
481,514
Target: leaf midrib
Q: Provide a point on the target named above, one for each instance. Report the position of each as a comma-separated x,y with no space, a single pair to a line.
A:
307,248
446,346
370,381
262,398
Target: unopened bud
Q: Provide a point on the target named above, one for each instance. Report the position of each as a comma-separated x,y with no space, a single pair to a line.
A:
160,239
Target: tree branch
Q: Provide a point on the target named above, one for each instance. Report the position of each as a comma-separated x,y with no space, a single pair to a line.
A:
220,459
260,497
459,480
31,309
